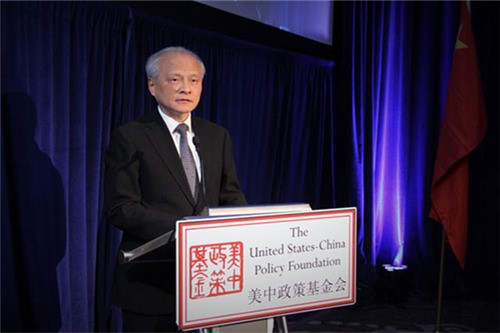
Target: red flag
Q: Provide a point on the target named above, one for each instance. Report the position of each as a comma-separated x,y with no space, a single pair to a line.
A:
463,128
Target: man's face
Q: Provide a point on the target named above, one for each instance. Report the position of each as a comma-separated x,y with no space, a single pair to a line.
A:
177,88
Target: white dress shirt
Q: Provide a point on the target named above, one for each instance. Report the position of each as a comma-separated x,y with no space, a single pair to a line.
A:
172,125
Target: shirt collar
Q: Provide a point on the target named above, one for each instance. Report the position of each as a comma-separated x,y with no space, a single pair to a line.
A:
172,124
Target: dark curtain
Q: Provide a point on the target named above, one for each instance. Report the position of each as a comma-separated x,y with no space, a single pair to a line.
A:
62,91
73,71
393,61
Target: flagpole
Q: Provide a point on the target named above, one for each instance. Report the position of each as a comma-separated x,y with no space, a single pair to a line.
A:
440,284
463,127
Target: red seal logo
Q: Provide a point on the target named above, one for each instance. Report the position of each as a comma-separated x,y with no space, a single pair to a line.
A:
215,269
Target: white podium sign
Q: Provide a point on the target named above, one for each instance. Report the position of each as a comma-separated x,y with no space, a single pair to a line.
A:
234,269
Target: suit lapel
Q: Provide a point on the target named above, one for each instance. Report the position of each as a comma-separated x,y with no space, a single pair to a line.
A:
203,138
162,142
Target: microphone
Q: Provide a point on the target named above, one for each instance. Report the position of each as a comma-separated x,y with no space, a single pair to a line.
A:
196,143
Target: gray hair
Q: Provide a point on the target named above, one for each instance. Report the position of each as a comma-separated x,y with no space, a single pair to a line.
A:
153,63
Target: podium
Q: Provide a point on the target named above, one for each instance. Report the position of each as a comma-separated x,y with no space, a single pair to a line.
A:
243,269
127,256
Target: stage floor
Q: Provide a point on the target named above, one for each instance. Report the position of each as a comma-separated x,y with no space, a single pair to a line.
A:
417,313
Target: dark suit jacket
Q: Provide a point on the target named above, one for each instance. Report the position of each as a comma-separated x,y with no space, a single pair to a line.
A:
146,192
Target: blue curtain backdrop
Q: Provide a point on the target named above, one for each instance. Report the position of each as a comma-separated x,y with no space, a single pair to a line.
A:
397,66
73,71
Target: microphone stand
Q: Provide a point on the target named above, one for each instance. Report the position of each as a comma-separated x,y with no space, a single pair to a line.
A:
196,143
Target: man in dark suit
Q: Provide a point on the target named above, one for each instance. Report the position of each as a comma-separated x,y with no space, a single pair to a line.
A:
147,189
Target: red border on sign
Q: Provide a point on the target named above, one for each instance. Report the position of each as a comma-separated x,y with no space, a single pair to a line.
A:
350,213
